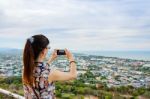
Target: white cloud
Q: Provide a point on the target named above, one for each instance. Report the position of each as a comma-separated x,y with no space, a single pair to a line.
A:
77,24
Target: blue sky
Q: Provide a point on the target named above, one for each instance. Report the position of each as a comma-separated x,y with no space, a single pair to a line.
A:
77,24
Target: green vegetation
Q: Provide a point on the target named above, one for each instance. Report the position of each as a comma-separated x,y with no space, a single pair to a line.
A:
85,86
13,84
2,96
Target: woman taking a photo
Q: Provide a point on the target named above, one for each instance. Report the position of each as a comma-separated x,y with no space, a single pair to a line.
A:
38,76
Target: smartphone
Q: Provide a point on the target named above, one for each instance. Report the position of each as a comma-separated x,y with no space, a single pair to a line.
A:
61,52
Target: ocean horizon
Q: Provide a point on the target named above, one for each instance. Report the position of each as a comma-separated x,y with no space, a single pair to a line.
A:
137,55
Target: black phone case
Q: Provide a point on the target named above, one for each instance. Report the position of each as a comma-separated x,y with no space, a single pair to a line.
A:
61,52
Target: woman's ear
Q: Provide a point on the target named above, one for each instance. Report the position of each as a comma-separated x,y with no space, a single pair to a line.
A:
44,51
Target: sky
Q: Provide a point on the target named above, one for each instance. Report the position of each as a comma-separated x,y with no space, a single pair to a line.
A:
94,25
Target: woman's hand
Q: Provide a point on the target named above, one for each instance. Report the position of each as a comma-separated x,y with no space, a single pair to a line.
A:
69,55
53,56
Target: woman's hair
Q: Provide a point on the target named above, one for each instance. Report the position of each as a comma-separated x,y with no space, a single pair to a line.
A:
33,48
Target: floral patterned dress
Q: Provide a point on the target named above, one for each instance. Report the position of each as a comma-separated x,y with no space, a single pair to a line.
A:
42,87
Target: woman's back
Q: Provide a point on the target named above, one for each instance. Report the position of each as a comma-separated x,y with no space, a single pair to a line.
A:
40,74
43,88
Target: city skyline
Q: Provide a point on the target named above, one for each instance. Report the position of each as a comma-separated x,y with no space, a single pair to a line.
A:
77,24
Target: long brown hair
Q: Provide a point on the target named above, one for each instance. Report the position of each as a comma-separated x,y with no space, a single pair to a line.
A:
34,45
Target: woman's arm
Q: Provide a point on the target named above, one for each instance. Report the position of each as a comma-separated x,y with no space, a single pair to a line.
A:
53,56
57,75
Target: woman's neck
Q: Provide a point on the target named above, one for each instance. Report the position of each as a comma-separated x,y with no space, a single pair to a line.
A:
40,60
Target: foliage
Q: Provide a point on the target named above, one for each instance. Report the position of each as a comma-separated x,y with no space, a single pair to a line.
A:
81,87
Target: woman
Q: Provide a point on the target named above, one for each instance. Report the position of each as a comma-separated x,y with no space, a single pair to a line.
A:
38,76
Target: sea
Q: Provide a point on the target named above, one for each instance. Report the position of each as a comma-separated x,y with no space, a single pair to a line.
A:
137,55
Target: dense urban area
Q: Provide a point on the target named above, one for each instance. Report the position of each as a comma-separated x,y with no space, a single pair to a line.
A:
99,77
